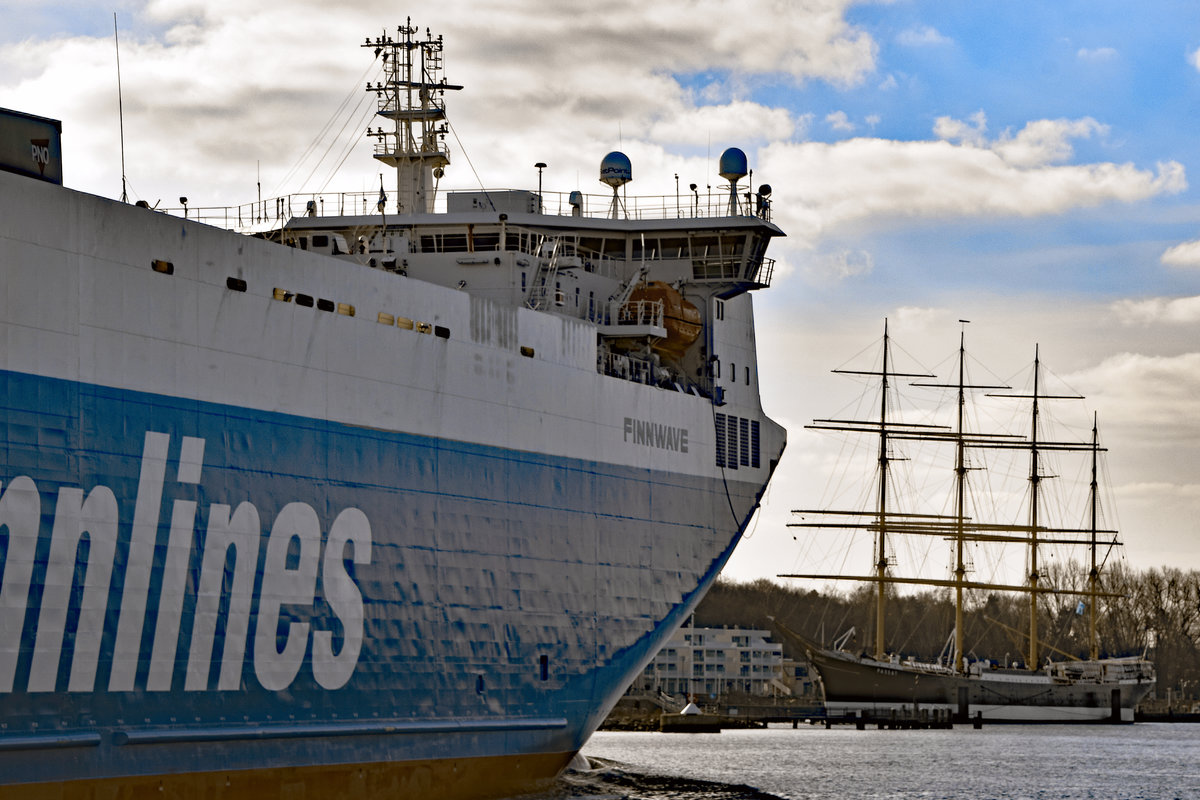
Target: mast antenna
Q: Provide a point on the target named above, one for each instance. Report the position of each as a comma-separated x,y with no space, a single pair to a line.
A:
120,108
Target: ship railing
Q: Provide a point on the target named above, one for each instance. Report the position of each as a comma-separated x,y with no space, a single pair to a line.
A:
275,212
637,312
620,365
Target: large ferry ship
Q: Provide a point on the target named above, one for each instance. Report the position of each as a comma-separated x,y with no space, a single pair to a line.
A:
357,495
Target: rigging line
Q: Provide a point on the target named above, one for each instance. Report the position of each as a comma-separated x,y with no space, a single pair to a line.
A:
325,128
351,143
479,181
120,108
357,121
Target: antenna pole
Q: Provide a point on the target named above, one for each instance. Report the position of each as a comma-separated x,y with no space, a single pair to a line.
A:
120,108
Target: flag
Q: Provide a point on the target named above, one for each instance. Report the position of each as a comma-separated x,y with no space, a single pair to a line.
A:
1080,608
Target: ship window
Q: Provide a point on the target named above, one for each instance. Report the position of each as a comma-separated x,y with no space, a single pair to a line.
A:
424,327
165,267
404,322
235,284
479,684
719,309
454,243
527,351
325,305
440,332
544,665
732,372
303,242
754,444
720,431
747,376
487,241
304,300
744,439
345,309
320,240
282,295
522,281
731,442
385,318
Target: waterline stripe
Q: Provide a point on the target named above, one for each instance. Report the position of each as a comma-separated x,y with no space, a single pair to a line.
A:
49,740
381,728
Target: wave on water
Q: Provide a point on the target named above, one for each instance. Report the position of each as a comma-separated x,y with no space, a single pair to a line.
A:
602,779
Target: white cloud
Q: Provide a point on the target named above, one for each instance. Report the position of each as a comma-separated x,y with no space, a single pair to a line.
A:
1147,397
1184,254
889,83
213,89
1096,53
839,121
738,121
1043,141
838,266
1170,310
1194,58
921,36
821,186
972,131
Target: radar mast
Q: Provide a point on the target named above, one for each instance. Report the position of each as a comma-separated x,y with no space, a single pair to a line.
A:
412,96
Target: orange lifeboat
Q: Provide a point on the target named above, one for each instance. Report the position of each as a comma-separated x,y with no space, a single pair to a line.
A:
680,318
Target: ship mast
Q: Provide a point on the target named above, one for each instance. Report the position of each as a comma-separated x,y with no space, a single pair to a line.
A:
411,96
881,556
960,485
1094,573
1036,447
960,490
883,515
1035,480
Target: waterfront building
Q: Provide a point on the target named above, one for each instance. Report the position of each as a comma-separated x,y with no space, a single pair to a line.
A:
716,662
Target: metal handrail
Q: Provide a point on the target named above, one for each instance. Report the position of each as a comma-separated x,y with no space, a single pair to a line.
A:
272,213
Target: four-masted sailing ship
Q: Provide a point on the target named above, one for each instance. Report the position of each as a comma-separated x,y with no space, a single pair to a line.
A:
880,683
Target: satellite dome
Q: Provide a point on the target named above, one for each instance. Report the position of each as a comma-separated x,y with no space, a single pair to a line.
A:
765,190
615,169
733,164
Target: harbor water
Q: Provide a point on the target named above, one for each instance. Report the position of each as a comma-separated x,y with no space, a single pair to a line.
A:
1138,762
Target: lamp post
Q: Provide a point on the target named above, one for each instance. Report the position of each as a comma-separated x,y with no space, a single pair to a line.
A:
541,165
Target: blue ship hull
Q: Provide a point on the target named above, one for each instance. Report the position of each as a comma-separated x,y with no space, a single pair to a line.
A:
427,597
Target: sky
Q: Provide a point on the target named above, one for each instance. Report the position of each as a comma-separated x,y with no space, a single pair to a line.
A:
1025,166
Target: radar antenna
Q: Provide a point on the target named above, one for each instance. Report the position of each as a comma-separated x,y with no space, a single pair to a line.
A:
616,170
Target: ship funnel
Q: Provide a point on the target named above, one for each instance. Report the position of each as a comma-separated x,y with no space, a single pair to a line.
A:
616,171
